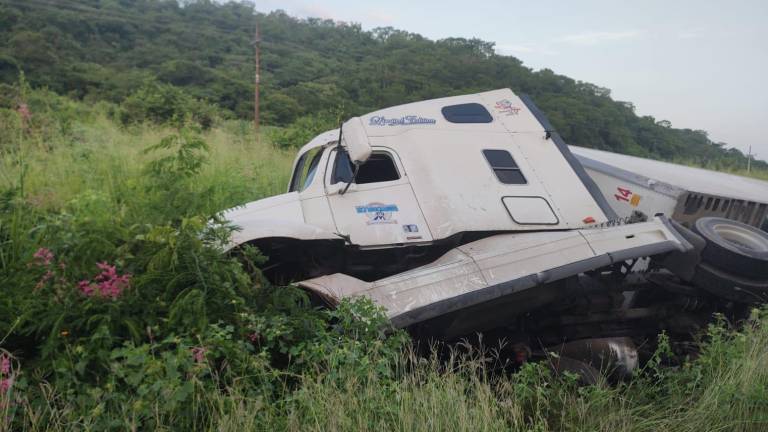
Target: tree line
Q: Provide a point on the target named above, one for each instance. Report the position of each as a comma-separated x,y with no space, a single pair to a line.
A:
110,49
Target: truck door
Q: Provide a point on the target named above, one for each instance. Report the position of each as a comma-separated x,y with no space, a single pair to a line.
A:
379,207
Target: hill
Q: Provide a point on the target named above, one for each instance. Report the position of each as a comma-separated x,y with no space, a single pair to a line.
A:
106,49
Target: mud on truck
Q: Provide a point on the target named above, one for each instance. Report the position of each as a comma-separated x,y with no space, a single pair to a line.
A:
469,214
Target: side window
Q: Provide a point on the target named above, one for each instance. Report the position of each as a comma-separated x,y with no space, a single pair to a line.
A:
467,113
504,166
305,169
342,169
378,168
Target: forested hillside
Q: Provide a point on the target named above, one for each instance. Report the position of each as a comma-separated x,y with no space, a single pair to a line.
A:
107,49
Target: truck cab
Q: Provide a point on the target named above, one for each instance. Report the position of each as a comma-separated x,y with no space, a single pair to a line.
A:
426,176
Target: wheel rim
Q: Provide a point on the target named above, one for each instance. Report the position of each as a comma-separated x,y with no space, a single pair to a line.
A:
741,238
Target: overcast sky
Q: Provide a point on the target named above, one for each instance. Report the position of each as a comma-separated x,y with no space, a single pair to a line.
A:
699,64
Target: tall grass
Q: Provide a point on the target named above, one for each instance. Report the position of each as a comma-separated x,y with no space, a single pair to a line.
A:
725,389
240,167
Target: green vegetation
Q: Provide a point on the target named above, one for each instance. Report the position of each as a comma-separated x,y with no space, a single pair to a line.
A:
117,312
108,49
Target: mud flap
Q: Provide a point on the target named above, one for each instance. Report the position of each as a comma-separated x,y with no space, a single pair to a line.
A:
501,267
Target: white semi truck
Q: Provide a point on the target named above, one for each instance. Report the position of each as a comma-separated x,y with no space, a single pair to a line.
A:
470,214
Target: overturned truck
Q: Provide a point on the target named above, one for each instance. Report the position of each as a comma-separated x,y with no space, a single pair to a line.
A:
470,214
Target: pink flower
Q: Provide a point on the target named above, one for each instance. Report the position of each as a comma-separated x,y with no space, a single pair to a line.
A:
46,277
108,282
43,256
5,364
85,287
198,353
5,384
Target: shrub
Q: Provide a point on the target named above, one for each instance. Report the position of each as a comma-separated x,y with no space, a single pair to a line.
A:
165,104
303,130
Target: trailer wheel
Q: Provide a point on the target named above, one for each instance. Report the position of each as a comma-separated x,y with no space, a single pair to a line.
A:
738,248
730,287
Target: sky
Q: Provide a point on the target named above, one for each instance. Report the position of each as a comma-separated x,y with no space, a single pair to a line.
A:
699,64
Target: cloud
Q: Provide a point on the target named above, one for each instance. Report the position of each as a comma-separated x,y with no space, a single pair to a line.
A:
690,34
595,38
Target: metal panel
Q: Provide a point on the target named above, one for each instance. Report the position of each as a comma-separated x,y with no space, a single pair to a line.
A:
498,266
684,177
569,157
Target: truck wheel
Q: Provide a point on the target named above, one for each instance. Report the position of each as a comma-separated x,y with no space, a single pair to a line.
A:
586,374
738,248
730,287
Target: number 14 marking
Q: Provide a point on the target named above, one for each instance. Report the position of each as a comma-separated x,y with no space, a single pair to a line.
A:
623,194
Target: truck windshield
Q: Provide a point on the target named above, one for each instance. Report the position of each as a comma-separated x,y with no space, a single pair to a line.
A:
305,169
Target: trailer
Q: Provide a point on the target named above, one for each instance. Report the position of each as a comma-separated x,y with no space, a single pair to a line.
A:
683,193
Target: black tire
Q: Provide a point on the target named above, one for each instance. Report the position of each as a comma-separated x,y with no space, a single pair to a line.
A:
730,287
586,373
735,247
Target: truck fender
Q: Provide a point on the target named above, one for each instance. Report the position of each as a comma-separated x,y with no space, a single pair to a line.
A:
277,228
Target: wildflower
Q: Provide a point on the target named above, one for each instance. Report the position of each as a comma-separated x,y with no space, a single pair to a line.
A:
254,337
110,283
85,287
46,277
65,333
43,257
5,364
5,384
198,353
106,284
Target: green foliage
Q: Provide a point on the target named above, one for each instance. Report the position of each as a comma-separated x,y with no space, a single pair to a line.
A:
184,319
185,162
38,116
107,50
165,104
303,130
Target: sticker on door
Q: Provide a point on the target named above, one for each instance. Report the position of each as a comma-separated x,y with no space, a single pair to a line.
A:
378,213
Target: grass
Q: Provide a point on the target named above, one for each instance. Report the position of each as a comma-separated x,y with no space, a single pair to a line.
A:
723,389
105,155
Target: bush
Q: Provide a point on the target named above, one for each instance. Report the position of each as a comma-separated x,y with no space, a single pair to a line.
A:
126,313
165,104
38,117
303,130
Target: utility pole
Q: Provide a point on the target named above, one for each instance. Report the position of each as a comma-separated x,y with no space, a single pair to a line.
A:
749,158
257,77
